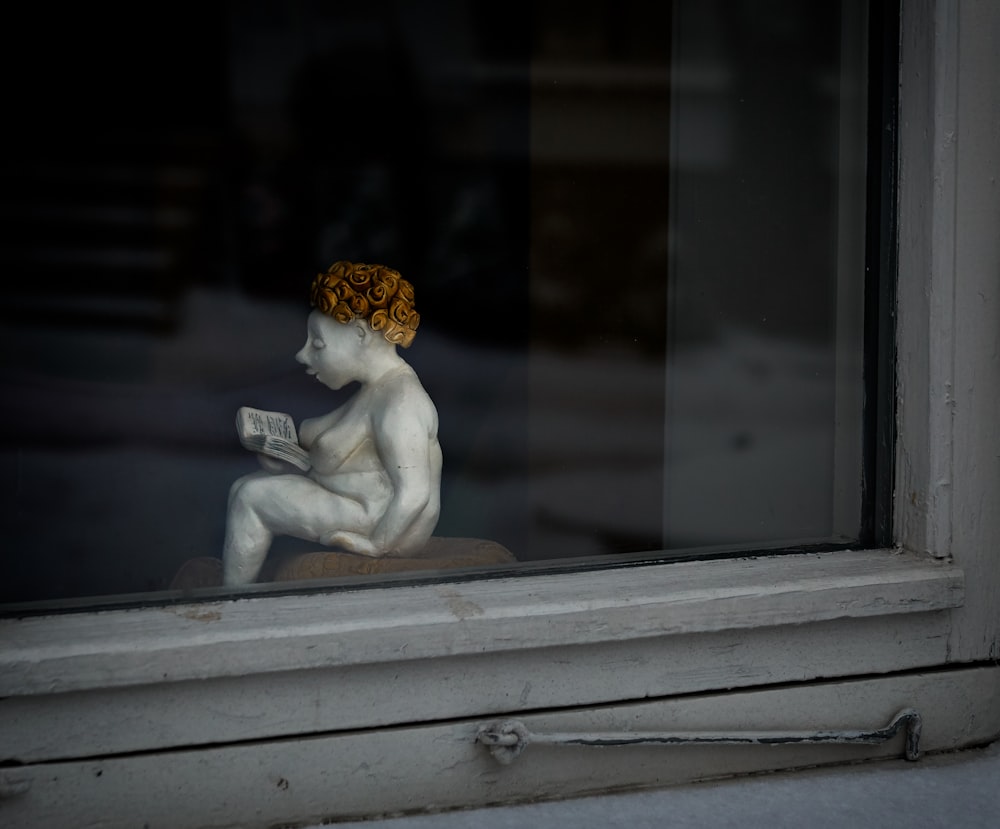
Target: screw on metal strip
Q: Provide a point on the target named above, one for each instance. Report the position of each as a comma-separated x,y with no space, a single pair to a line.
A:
506,740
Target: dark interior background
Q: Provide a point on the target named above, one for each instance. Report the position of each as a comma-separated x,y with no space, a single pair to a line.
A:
175,174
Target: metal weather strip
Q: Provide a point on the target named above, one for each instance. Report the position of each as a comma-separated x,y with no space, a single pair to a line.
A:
506,739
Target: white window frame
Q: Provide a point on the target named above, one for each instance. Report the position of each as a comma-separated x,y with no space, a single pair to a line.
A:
308,706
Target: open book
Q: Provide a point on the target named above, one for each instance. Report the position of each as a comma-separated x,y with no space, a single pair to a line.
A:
272,434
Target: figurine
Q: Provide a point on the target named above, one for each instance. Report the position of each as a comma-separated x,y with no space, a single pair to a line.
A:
373,477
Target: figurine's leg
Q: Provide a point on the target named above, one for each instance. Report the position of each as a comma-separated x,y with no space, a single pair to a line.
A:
262,506
247,536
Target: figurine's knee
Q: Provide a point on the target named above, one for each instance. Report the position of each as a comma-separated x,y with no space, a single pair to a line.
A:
251,492
238,484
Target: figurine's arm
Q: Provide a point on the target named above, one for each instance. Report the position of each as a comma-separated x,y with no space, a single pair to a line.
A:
403,431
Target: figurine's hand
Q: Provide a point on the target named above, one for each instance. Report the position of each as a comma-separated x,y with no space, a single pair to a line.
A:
352,542
277,467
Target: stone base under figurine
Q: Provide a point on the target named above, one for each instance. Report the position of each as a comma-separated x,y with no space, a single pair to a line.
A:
438,554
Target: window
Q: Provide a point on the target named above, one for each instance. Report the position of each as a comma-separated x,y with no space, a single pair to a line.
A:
589,204
276,708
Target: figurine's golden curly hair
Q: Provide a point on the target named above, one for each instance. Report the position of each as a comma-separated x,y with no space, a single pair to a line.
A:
374,293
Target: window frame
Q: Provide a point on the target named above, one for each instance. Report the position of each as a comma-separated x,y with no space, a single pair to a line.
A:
283,670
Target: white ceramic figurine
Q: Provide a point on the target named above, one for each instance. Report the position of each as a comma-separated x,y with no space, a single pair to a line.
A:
374,476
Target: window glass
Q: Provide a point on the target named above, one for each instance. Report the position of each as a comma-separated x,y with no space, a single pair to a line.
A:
636,233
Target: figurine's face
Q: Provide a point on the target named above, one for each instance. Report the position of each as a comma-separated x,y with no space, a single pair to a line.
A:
334,352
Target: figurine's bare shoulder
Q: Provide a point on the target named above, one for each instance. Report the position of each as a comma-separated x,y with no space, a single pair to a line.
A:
402,399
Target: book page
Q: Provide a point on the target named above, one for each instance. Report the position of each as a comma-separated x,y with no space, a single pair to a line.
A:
278,425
